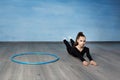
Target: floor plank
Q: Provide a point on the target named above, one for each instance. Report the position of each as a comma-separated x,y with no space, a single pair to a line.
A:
107,55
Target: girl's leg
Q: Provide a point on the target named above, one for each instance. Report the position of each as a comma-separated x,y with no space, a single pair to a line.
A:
68,46
72,42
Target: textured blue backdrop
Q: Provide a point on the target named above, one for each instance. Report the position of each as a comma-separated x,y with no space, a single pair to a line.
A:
53,20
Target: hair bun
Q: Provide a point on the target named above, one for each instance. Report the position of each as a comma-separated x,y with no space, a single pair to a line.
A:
80,32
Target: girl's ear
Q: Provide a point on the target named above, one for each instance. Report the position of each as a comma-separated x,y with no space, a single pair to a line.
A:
77,40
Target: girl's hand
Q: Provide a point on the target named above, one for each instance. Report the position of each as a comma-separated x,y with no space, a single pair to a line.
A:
93,63
85,63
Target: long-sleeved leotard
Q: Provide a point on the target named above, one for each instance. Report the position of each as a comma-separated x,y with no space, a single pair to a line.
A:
72,50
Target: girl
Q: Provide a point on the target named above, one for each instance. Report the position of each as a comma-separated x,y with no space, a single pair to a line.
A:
78,49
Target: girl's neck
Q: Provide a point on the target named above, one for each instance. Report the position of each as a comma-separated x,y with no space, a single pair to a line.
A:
79,48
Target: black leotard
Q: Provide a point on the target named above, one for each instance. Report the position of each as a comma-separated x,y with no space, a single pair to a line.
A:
72,50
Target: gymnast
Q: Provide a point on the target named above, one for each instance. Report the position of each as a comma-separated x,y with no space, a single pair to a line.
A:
78,49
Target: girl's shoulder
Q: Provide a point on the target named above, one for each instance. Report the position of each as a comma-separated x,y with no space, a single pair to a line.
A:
86,48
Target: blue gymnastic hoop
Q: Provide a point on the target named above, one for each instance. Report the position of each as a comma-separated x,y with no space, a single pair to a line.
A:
12,58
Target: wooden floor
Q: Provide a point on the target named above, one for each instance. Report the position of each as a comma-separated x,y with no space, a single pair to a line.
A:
107,55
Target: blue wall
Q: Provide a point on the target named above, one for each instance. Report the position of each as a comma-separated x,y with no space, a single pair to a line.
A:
53,20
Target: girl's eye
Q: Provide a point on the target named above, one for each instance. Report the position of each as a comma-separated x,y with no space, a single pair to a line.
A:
82,41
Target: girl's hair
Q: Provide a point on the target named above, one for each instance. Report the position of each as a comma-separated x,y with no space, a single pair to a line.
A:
77,37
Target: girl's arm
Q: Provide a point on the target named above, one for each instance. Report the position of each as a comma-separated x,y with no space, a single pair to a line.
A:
92,62
88,54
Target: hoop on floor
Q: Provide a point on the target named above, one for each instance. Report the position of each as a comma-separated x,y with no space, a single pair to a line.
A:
12,58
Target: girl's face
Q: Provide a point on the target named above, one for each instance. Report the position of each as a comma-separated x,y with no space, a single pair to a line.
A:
81,41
